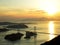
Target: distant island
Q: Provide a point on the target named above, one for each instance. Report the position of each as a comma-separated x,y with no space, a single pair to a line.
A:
3,29
6,23
17,26
41,19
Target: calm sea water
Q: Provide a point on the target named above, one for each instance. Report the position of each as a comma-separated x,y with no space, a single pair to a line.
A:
45,32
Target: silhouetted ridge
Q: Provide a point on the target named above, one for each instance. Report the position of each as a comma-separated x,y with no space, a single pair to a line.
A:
54,41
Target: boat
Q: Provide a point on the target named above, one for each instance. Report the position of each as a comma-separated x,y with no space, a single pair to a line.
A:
13,37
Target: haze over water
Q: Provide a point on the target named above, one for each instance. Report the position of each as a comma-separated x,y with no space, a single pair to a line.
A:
46,30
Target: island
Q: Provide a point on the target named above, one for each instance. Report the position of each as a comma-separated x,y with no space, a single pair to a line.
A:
13,36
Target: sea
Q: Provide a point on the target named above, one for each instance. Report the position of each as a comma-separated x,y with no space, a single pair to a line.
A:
46,30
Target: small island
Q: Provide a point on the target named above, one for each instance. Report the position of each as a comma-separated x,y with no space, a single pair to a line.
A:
13,37
30,34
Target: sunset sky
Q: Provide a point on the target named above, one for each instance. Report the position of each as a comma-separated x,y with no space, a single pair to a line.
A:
29,8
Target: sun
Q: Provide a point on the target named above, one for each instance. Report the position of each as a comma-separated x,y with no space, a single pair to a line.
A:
51,10
49,6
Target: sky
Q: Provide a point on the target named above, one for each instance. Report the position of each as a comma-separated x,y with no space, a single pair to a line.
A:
29,8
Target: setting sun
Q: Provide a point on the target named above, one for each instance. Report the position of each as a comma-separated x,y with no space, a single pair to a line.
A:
51,10
49,6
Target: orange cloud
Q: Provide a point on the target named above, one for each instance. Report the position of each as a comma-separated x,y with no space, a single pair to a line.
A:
24,13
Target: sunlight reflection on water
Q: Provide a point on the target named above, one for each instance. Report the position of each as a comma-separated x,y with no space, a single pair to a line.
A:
51,30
